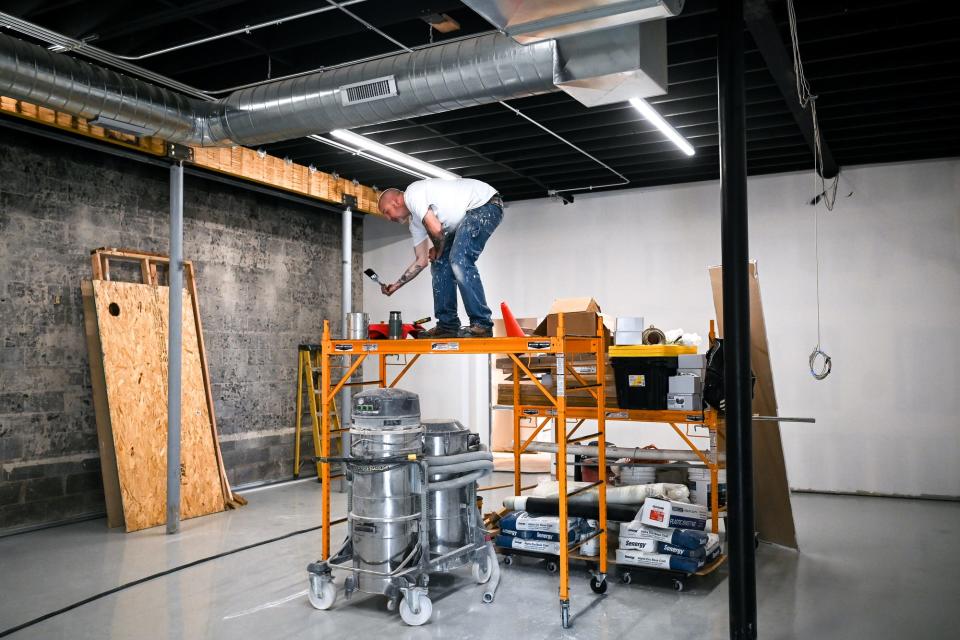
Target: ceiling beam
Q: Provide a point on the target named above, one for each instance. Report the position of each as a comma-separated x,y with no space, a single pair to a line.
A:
766,35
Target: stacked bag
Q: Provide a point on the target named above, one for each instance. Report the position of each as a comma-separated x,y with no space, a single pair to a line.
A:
668,535
541,534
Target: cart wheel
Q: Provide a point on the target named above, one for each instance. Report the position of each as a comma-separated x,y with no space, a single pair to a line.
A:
552,566
482,571
507,560
323,600
677,584
391,604
598,586
565,615
416,619
626,577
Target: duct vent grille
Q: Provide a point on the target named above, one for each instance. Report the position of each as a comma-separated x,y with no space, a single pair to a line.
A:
375,89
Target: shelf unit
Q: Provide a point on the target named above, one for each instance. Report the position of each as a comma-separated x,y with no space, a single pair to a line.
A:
560,347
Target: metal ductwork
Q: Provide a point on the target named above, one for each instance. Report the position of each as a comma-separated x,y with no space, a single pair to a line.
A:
595,67
461,74
528,21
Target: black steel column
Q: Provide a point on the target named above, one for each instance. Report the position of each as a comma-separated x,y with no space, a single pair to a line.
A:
736,321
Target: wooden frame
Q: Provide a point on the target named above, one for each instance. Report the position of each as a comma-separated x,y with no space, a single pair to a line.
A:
149,262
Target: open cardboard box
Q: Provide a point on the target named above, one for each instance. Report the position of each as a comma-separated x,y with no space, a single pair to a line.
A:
579,318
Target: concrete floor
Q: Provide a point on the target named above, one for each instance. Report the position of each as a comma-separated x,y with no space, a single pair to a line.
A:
870,568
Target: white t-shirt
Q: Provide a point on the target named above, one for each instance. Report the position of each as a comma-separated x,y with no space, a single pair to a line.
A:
449,199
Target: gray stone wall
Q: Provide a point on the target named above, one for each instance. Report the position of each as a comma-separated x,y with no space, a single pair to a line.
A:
268,273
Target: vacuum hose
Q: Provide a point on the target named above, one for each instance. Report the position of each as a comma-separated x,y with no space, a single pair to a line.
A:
443,461
491,587
457,483
461,467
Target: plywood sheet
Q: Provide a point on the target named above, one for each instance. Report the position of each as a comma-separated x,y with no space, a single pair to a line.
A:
774,512
108,458
132,322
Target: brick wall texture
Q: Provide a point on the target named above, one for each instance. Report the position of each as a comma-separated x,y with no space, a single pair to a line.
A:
268,273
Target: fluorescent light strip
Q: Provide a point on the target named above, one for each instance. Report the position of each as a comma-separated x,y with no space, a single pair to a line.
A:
650,114
368,156
383,151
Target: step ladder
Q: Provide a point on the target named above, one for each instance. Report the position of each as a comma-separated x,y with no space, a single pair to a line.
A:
308,381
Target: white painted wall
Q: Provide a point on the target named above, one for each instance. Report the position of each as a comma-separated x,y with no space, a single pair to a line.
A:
888,418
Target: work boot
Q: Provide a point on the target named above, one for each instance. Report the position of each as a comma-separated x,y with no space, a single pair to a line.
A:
439,332
476,331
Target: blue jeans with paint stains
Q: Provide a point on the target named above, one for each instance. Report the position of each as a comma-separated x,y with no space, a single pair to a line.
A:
456,269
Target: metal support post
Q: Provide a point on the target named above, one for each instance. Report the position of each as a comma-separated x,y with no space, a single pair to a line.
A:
736,321
174,347
346,306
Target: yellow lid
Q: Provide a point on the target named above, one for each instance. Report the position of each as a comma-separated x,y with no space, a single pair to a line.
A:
650,350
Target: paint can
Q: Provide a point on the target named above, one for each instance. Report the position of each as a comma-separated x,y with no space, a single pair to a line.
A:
356,323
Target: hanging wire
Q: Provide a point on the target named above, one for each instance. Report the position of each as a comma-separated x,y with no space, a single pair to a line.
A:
820,363
807,97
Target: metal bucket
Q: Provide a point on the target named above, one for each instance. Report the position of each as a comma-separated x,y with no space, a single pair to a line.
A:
357,324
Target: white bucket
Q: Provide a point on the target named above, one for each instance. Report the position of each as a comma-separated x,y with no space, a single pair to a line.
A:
699,483
638,475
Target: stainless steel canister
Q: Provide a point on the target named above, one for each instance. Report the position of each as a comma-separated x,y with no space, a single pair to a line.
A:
357,324
448,509
385,506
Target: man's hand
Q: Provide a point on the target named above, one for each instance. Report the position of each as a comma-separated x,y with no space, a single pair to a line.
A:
432,254
389,289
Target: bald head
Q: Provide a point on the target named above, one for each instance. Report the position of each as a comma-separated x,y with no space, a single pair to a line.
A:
392,205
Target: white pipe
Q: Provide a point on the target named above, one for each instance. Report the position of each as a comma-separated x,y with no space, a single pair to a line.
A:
174,347
622,452
346,299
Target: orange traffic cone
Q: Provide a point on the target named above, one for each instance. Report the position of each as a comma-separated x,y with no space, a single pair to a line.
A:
510,323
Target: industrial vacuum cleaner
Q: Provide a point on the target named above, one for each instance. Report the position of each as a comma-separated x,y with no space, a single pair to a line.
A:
412,507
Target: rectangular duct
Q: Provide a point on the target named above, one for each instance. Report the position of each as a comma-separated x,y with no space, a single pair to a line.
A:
614,65
528,21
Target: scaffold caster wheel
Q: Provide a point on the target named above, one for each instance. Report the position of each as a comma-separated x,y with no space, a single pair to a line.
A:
416,619
598,586
565,615
482,570
322,597
552,566
678,584
507,560
626,577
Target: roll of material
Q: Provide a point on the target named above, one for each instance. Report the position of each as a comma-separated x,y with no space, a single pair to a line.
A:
551,507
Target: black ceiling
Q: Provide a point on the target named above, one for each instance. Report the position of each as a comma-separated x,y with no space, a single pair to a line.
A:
887,74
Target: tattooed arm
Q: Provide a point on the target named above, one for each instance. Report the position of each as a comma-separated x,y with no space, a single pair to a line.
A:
435,230
419,264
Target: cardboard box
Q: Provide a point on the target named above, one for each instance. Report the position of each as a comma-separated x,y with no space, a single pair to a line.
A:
684,402
527,324
579,317
687,371
685,385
